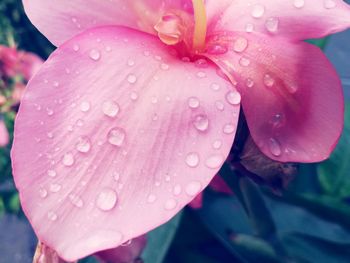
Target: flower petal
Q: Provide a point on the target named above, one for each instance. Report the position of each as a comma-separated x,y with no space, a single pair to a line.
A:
291,96
60,20
114,137
294,19
129,252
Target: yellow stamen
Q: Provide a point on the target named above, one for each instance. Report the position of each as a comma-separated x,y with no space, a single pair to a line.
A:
200,28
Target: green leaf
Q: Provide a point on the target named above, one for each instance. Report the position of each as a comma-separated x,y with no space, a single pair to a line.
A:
334,173
159,241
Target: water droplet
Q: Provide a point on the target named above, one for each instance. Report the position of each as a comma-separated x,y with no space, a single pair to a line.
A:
68,159
116,136
278,120
329,4
201,63
49,111
268,80
54,188
107,199
192,159
249,28
108,49
43,193
151,198
76,200
299,3
154,100
244,62
271,24
240,44
51,173
233,97
250,83
229,128
220,105
94,54
177,189
83,145
201,74
76,47
85,106
134,95
217,144
170,204
275,147
215,161
131,62
193,188
164,66
217,49
201,122
258,11
52,216
193,102
132,78
215,86
110,108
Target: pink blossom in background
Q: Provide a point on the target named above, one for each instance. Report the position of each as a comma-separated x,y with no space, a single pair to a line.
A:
14,62
131,117
4,135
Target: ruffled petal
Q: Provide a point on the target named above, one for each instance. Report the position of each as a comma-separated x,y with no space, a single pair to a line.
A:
60,20
291,96
114,137
292,19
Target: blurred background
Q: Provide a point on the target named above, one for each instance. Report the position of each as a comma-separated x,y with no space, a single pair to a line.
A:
295,213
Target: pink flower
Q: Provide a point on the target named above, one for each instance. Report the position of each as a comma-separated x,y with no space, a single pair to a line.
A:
4,135
128,120
14,62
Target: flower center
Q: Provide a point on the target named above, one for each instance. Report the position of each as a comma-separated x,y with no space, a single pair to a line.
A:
178,26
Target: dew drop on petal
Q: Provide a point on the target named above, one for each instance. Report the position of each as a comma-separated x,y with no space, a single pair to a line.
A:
193,188
51,173
85,106
94,54
258,11
177,189
193,102
272,24
240,44
116,136
52,216
229,128
201,74
43,193
83,145
249,28
170,204
217,144
275,147
215,86
250,83
268,80
76,200
54,188
192,159
110,108
107,199
151,198
329,4
233,97
132,78
214,161
244,62
299,3
68,159
201,122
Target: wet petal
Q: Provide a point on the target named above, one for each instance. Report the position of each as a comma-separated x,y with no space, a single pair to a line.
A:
291,96
128,252
123,135
60,20
294,19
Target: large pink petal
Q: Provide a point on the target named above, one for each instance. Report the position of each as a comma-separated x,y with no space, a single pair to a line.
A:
114,137
60,20
294,19
291,96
